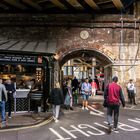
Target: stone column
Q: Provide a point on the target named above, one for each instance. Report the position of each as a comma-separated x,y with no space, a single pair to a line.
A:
56,72
93,67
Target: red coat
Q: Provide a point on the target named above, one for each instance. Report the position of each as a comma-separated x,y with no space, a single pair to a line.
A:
113,94
93,85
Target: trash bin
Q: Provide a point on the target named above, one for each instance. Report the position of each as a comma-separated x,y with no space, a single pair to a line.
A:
35,100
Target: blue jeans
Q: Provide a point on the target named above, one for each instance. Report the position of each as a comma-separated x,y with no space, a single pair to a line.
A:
2,107
85,97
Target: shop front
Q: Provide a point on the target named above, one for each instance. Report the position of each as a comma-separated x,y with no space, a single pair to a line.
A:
29,73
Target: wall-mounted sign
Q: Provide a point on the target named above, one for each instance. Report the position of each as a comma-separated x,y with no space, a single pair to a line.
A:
21,59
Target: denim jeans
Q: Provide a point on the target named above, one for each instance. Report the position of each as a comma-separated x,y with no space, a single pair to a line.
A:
110,110
2,107
56,109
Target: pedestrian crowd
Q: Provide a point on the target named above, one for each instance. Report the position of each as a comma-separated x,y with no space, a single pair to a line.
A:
68,95
113,97
7,90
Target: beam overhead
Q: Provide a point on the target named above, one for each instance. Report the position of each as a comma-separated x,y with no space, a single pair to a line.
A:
75,4
16,4
32,4
59,4
118,4
3,6
92,4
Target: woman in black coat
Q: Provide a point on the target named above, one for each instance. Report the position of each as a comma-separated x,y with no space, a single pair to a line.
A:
56,98
10,91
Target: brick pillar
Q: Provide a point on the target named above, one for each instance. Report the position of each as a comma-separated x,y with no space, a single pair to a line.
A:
137,8
56,72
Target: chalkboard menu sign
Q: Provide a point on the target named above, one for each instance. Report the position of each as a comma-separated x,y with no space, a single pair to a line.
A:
18,58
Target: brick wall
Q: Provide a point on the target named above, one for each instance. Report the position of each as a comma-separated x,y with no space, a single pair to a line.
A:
123,53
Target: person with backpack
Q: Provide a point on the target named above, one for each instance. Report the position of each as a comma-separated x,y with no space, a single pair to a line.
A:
113,95
3,100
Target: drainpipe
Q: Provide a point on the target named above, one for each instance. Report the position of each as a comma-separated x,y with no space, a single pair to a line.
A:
50,74
122,38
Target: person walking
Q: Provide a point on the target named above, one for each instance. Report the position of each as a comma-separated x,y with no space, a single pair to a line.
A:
113,95
57,99
97,83
69,98
94,87
10,90
3,99
75,86
86,92
131,92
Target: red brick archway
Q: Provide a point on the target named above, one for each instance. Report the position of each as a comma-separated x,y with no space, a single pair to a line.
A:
99,51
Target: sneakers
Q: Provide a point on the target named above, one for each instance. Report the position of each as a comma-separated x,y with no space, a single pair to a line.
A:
115,129
109,128
83,108
56,120
86,108
9,117
3,124
71,108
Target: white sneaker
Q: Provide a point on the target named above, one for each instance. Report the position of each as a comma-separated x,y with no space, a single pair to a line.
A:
83,108
56,120
115,129
86,108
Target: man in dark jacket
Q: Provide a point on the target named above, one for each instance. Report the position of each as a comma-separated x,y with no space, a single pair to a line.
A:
113,95
10,90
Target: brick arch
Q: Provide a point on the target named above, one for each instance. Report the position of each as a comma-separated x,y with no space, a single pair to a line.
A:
101,50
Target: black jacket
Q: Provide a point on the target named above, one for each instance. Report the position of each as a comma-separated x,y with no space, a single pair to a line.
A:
10,90
56,96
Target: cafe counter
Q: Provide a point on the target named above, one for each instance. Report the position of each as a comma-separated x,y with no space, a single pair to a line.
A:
21,100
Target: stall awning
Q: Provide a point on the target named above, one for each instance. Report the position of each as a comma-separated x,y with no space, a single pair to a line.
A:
33,47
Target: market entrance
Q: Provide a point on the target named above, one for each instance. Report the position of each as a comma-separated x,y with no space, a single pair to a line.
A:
89,64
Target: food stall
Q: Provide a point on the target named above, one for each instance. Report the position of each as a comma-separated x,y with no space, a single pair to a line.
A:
25,72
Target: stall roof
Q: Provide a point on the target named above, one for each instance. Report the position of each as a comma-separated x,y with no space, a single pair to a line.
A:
29,47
